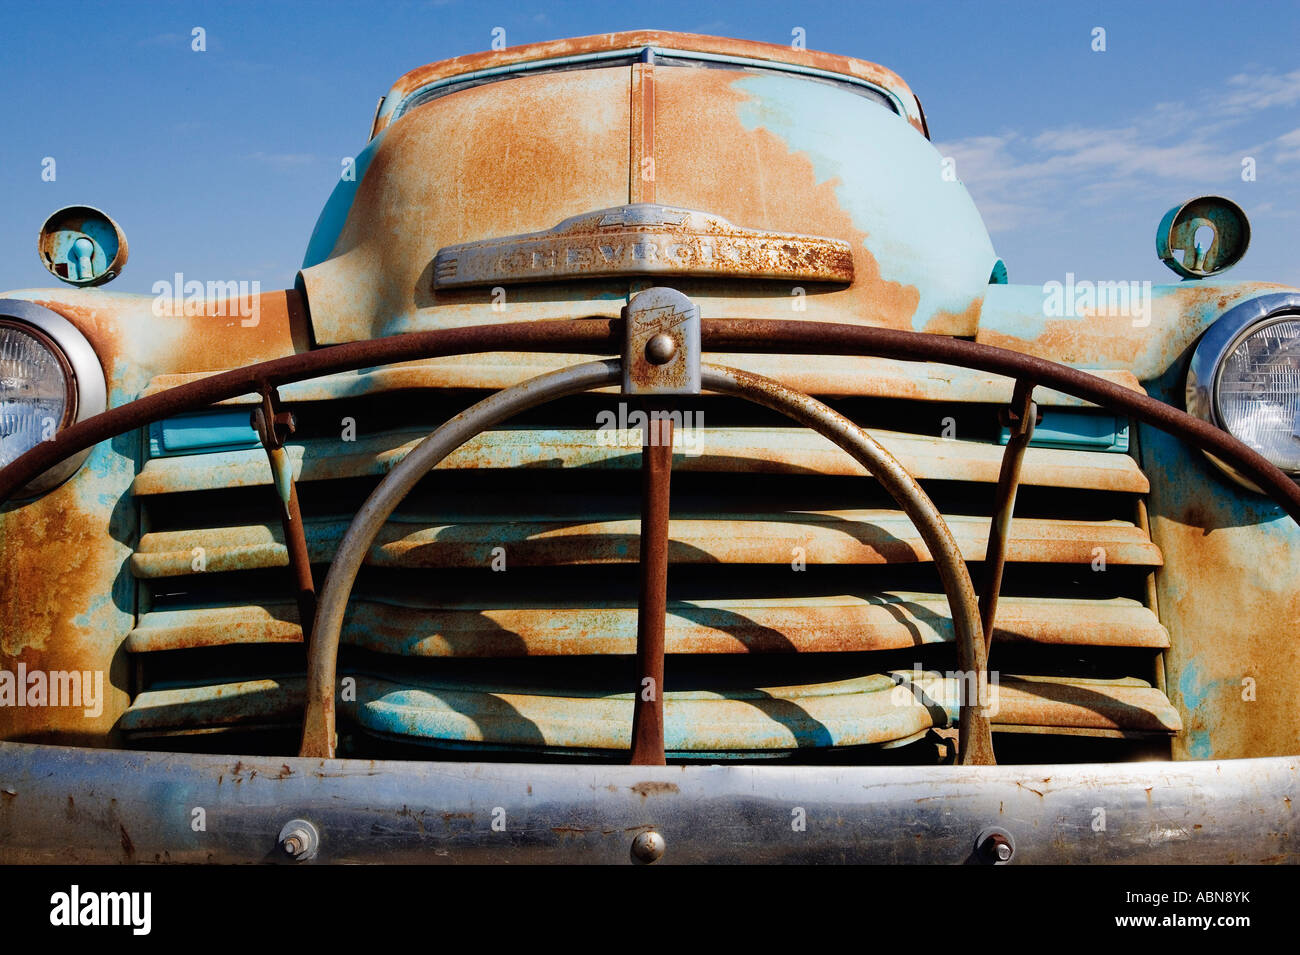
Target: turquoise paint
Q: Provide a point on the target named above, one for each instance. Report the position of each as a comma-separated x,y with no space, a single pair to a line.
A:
100,603
330,224
1184,481
1194,693
103,239
200,432
922,229
1199,745
793,68
1190,687
1082,431
456,714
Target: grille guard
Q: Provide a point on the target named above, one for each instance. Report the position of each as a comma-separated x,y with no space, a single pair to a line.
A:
608,336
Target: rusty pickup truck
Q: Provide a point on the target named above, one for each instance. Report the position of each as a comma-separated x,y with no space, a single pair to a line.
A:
651,460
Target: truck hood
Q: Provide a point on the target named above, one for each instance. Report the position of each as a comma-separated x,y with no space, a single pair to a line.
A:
735,138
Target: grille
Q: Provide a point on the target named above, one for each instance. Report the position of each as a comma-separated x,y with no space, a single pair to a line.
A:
496,613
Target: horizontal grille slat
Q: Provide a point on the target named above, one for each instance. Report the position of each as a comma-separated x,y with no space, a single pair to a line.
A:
837,537
873,709
748,450
775,625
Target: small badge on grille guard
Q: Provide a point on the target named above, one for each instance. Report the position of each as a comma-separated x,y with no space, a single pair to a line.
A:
643,239
661,353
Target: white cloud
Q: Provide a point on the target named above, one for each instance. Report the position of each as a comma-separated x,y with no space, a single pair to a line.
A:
1263,90
1288,147
1020,178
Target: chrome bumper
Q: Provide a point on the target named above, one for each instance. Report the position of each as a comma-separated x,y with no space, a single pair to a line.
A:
70,805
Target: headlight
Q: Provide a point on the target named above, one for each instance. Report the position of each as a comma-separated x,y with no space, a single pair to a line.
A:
34,394
1245,378
49,379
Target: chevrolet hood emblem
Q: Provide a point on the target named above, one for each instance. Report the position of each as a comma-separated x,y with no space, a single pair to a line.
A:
643,239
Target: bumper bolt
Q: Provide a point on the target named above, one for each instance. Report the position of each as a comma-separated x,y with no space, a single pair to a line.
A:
648,847
995,846
299,840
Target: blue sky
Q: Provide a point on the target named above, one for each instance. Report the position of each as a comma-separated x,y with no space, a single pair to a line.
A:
216,164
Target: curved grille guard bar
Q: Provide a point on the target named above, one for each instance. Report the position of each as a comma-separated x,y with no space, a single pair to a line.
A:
975,744
607,336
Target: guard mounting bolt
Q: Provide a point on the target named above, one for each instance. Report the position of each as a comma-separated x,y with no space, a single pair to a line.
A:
660,349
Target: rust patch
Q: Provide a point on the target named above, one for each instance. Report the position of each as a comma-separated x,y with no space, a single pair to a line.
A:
752,177
653,788
1239,627
62,579
135,344
58,567
1077,340
641,179
437,180
417,817
643,242
956,323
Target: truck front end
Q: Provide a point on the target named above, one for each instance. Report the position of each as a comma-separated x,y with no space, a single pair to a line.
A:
650,461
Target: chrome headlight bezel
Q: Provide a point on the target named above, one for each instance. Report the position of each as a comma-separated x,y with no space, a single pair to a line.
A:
84,383
1212,351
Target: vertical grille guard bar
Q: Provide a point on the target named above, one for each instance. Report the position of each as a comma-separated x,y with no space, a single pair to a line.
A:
272,427
1022,416
652,594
